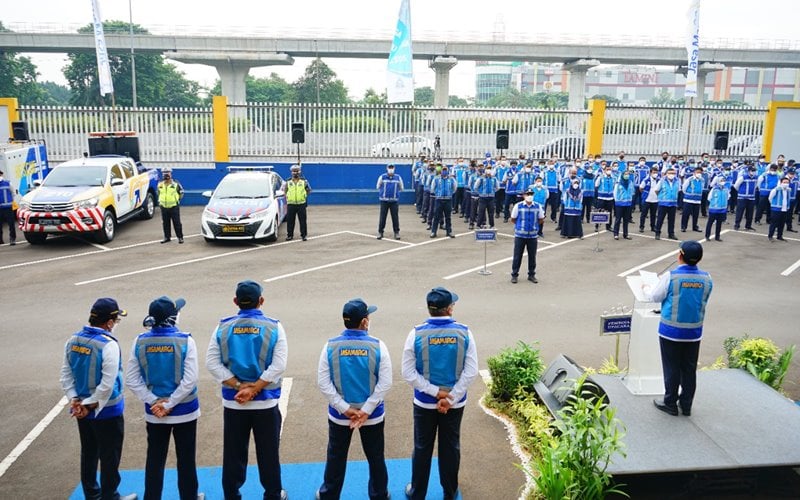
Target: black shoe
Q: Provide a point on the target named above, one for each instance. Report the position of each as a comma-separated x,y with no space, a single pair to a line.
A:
771,240
472,226
790,230
533,279
433,235
616,236
735,228
671,410
758,223
180,240
165,240
627,237
718,239
397,236
13,242
780,238
673,237
641,230
304,238
683,229
750,228
289,238
658,236
505,220
513,279
697,230
687,412
380,236
451,235
429,227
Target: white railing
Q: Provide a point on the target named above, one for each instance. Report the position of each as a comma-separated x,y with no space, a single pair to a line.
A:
651,130
175,136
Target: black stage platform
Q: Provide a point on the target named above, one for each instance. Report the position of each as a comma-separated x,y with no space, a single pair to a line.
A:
737,422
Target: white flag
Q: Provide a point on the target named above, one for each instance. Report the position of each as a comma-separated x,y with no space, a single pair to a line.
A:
400,77
103,68
692,47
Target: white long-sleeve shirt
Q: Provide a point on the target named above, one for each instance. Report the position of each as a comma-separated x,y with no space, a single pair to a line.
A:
420,383
134,380
102,393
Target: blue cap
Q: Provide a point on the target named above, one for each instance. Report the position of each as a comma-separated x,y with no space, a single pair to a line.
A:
105,309
692,252
440,297
248,292
164,308
356,310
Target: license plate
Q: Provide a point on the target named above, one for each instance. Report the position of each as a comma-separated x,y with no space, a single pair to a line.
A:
49,222
233,228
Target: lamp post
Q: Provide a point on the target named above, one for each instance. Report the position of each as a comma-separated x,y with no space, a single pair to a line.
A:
133,60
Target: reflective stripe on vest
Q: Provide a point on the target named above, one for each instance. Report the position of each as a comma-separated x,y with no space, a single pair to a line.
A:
163,350
449,344
296,192
235,337
168,195
683,310
86,362
527,224
353,363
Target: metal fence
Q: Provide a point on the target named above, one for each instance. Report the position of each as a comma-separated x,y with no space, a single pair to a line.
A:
650,130
167,136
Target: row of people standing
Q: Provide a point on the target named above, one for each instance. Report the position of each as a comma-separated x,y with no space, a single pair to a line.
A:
247,355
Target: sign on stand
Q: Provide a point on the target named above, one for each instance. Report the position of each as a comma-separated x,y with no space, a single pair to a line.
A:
485,236
597,218
615,323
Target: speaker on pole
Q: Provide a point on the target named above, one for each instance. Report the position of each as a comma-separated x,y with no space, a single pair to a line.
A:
298,133
502,139
19,131
721,140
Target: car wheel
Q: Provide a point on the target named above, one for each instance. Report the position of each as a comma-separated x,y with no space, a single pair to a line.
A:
274,236
35,238
385,152
149,206
108,229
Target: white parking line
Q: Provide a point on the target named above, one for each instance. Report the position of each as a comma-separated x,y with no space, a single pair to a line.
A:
657,259
200,259
764,235
508,259
283,402
789,270
32,435
401,242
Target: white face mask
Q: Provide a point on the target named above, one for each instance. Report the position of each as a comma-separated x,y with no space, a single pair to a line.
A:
589,170
529,197
654,176
527,170
1,177
538,184
390,171
698,176
575,185
641,163
670,176
785,186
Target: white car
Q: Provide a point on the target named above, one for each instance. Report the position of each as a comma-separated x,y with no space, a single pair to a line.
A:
405,145
247,204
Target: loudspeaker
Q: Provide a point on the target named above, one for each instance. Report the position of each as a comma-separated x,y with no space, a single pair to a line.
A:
502,139
557,384
721,140
20,131
298,133
125,146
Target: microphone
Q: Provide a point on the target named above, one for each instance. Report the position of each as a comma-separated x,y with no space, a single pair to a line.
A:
670,265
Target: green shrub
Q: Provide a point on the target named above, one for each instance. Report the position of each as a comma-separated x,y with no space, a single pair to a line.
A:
760,357
533,422
513,370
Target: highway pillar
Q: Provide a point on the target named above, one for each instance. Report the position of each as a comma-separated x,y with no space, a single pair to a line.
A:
577,80
442,65
702,71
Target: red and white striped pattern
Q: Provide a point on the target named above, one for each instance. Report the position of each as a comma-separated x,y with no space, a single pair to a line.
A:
75,224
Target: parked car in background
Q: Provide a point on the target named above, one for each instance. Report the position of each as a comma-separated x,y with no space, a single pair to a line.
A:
737,145
753,149
404,145
567,147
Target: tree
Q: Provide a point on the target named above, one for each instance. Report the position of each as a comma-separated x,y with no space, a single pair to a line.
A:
158,83
372,98
664,98
272,89
609,99
319,84
423,96
458,102
18,77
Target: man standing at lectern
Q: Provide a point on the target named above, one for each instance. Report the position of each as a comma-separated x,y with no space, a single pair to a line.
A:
683,294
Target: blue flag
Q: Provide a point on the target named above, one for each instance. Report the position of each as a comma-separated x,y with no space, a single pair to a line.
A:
400,77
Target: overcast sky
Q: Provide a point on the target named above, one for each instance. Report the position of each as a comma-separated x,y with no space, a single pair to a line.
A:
718,19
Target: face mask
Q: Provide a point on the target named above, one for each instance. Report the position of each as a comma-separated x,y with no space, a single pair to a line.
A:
295,174
670,176
527,170
444,174
589,170
773,172
654,176
621,157
608,173
528,197
573,175
641,164
664,158
698,176
575,185
488,173
626,176
785,185
550,167
390,171
780,163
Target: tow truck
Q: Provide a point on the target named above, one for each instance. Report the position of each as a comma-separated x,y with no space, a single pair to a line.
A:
91,194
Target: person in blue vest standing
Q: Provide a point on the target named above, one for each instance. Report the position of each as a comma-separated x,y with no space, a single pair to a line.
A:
623,200
745,186
389,187
7,215
354,375
683,294
440,361
693,187
667,190
510,189
461,173
605,191
162,372
443,188
552,180
500,195
587,188
91,377
247,356
528,217
717,207
779,205
767,182
572,208
486,186
416,180
649,199
793,184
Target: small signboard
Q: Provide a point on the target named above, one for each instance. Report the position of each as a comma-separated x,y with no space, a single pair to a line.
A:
486,235
615,324
600,218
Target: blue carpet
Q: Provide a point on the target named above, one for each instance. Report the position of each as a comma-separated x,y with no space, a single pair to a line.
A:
299,480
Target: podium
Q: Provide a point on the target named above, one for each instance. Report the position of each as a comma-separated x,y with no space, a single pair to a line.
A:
645,376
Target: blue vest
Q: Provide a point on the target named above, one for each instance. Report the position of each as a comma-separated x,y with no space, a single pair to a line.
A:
440,348
668,192
767,183
500,174
587,186
6,194
444,187
781,197
461,173
508,181
605,188
793,189
354,360
694,190
761,167
572,206
486,187
747,188
648,185
527,224
390,187
718,200
473,178
623,197
540,195
426,179
641,173
550,180
684,307
85,358
161,353
524,181
246,343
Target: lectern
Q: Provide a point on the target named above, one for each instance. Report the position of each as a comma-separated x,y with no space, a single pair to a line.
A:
644,359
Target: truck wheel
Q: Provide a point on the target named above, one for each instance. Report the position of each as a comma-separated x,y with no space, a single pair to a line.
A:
274,236
108,229
149,206
35,238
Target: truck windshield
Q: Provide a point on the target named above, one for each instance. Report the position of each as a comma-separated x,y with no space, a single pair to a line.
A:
76,176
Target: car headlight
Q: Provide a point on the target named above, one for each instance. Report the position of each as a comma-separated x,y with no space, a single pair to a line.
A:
259,215
90,203
208,214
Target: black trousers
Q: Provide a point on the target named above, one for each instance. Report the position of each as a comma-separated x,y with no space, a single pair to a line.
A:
778,222
443,211
372,443
679,363
499,198
466,207
432,201
485,207
426,199
621,214
172,215
763,206
299,211
427,423
690,209
473,208
669,214
651,209
418,198
510,199
553,201
704,203
588,206
7,216
732,199
744,207
520,245
389,207
185,436
712,219
266,429
458,200
608,206
790,214
101,440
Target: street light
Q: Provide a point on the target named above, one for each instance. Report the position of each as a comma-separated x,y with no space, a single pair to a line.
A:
133,60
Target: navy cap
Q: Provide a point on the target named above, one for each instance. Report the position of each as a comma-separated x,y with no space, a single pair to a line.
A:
440,297
105,309
164,307
248,292
356,310
692,252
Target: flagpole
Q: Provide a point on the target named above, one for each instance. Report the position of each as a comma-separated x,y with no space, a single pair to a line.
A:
689,128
